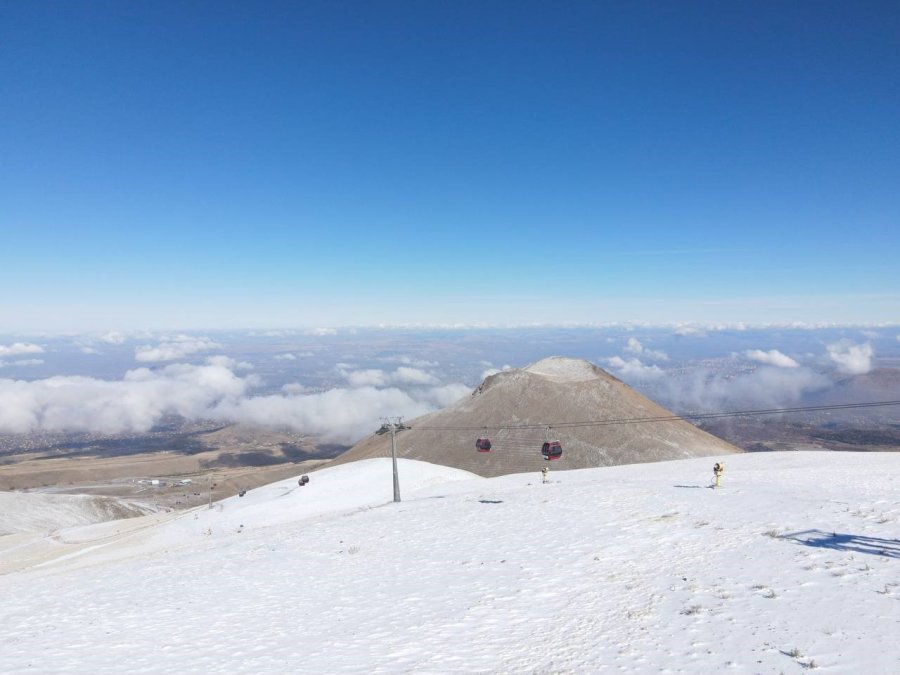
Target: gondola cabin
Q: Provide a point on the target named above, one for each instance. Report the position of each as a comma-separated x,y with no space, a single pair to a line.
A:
551,450
483,445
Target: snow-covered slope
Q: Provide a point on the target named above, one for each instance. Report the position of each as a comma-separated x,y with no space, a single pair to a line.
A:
52,533
27,512
794,562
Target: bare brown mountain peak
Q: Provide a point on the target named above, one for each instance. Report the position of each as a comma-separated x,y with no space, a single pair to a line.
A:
572,400
555,369
565,369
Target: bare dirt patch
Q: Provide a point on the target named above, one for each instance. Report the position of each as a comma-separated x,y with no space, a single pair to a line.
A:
178,471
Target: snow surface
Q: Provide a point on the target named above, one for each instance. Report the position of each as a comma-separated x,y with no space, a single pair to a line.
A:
26,512
794,563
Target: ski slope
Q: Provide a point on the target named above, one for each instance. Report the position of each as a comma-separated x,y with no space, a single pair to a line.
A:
793,564
29,512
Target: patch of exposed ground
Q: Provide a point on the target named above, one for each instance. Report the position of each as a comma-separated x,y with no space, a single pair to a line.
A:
768,434
187,466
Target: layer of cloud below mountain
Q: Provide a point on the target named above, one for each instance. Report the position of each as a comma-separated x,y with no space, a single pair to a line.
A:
213,390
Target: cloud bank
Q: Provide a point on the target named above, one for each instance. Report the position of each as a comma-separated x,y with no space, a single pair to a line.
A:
851,358
133,404
634,368
214,390
22,362
773,357
409,361
174,348
112,337
779,382
635,347
19,348
375,377
765,388
690,330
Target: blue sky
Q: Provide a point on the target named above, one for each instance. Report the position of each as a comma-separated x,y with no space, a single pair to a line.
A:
232,164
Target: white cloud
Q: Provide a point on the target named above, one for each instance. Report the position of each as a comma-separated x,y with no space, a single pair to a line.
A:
321,332
493,371
851,358
418,363
209,391
174,348
445,395
371,377
773,357
408,375
292,356
113,337
341,415
20,348
21,362
635,347
375,377
89,350
133,404
272,333
634,368
228,362
690,330
410,361
764,388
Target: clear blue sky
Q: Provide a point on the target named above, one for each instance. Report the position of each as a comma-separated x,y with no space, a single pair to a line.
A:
230,164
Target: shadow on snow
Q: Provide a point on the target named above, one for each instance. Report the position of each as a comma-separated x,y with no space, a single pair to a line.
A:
846,542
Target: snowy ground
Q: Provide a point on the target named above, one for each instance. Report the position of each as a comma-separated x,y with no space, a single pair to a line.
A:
30,512
793,564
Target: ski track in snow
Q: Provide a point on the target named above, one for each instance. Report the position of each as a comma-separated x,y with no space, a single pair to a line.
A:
794,563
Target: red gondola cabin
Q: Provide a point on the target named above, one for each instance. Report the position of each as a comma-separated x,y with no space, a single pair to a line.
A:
483,445
551,450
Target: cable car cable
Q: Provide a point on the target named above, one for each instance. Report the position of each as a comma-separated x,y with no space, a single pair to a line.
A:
669,418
